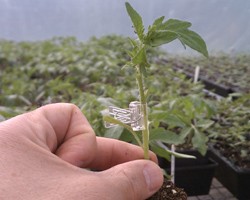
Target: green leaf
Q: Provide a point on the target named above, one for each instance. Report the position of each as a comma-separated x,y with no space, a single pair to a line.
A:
160,38
128,64
112,120
171,119
185,132
140,58
133,42
165,136
158,21
135,49
127,137
160,151
199,141
136,20
163,33
194,41
175,25
204,124
131,53
114,132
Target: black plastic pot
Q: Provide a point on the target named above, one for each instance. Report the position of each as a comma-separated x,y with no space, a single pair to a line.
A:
193,175
235,179
217,89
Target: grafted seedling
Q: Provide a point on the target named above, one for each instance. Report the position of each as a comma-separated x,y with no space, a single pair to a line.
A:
159,33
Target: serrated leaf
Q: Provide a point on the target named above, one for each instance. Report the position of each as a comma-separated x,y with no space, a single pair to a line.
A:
163,33
136,20
175,29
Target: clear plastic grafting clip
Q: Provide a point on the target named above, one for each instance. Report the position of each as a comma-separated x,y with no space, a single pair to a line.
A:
132,116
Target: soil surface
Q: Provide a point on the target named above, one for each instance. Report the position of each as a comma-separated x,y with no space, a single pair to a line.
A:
234,155
169,191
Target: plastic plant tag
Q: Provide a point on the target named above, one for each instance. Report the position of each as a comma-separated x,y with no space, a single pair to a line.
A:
123,115
132,116
136,116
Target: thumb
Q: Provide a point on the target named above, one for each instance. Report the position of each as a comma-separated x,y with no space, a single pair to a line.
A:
136,180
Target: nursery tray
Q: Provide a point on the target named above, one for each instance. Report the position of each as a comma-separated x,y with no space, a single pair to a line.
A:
235,179
221,90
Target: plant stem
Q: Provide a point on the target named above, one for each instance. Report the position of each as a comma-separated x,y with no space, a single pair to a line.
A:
143,101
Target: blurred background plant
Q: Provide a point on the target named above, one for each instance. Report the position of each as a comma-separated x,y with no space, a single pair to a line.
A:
188,116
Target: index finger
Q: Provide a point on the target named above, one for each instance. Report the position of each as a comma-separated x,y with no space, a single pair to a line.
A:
111,152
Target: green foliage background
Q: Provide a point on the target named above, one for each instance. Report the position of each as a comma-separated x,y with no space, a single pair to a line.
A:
90,75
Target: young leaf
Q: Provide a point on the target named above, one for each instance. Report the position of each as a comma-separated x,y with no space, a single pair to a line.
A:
163,33
158,21
175,25
194,41
133,42
160,37
140,58
136,20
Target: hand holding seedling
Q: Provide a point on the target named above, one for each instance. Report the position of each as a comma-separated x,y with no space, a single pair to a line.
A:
41,152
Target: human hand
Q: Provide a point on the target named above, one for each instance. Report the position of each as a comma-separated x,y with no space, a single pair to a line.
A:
42,152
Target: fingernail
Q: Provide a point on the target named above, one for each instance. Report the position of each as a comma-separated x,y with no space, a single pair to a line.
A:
153,176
